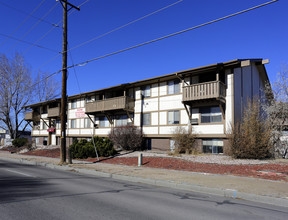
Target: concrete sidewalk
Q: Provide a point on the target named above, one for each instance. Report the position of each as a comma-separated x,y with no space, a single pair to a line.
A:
252,189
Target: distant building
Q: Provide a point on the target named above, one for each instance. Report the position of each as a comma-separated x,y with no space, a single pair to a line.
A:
5,138
208,99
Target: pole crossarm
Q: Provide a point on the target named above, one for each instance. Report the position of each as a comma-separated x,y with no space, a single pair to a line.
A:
72,6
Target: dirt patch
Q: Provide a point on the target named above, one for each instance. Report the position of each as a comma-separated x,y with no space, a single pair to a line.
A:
276,171
271,171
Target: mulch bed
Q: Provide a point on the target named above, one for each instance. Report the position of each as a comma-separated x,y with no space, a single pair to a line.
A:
271,171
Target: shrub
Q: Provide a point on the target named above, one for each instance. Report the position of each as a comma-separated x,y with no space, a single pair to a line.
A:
127,137
19,142
104,147
83,149
184,141
251,139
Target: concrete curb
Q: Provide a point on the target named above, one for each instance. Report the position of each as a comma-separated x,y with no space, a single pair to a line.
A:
229,193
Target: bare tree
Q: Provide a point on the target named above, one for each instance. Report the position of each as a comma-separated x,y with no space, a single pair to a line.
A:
15,93
276,108
251,138
46,88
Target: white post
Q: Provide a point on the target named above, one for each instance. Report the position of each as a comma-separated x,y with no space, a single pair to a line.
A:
140,159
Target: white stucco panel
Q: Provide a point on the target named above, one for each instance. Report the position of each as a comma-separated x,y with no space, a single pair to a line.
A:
102,131
137,107
137,119
150,130
73,132
43,132
184,119
163,118
209,129
154,118
137,93
150,104
229,108
35,132
171,102
170,129
88,132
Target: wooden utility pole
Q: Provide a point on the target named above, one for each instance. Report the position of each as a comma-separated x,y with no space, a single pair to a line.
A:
64,81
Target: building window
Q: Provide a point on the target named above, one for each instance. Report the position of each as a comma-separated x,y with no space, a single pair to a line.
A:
73,123
211,114
213,146
87,123
173,117
173,87
74,103
146,119
146,91
103,122
121,120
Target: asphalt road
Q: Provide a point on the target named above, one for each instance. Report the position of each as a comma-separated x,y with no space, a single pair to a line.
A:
32,192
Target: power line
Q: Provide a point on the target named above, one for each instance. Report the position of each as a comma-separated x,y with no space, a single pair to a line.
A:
78,84
115,29
32,16
24,21
27,42
37,23
171,35
53,27
118,28
158,39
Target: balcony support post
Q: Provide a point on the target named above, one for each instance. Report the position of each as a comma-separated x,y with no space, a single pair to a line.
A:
30,124
189,113
109,118
222,110
129,116
45,122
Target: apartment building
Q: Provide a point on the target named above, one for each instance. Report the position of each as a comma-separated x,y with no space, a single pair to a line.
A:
206,100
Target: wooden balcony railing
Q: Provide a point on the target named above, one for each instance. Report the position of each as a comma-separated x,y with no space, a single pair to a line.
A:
111,104
207,90
54,112
32,116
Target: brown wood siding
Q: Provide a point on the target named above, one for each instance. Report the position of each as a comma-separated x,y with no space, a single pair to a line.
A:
116,103
159,144
54,112
207,90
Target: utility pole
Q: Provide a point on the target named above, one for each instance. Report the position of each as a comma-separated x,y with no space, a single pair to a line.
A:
63,116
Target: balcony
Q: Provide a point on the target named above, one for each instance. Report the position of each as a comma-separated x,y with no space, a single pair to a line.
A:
32,116
54,112
112,104
204,91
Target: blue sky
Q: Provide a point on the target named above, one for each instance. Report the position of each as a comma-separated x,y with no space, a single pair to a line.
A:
261,33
